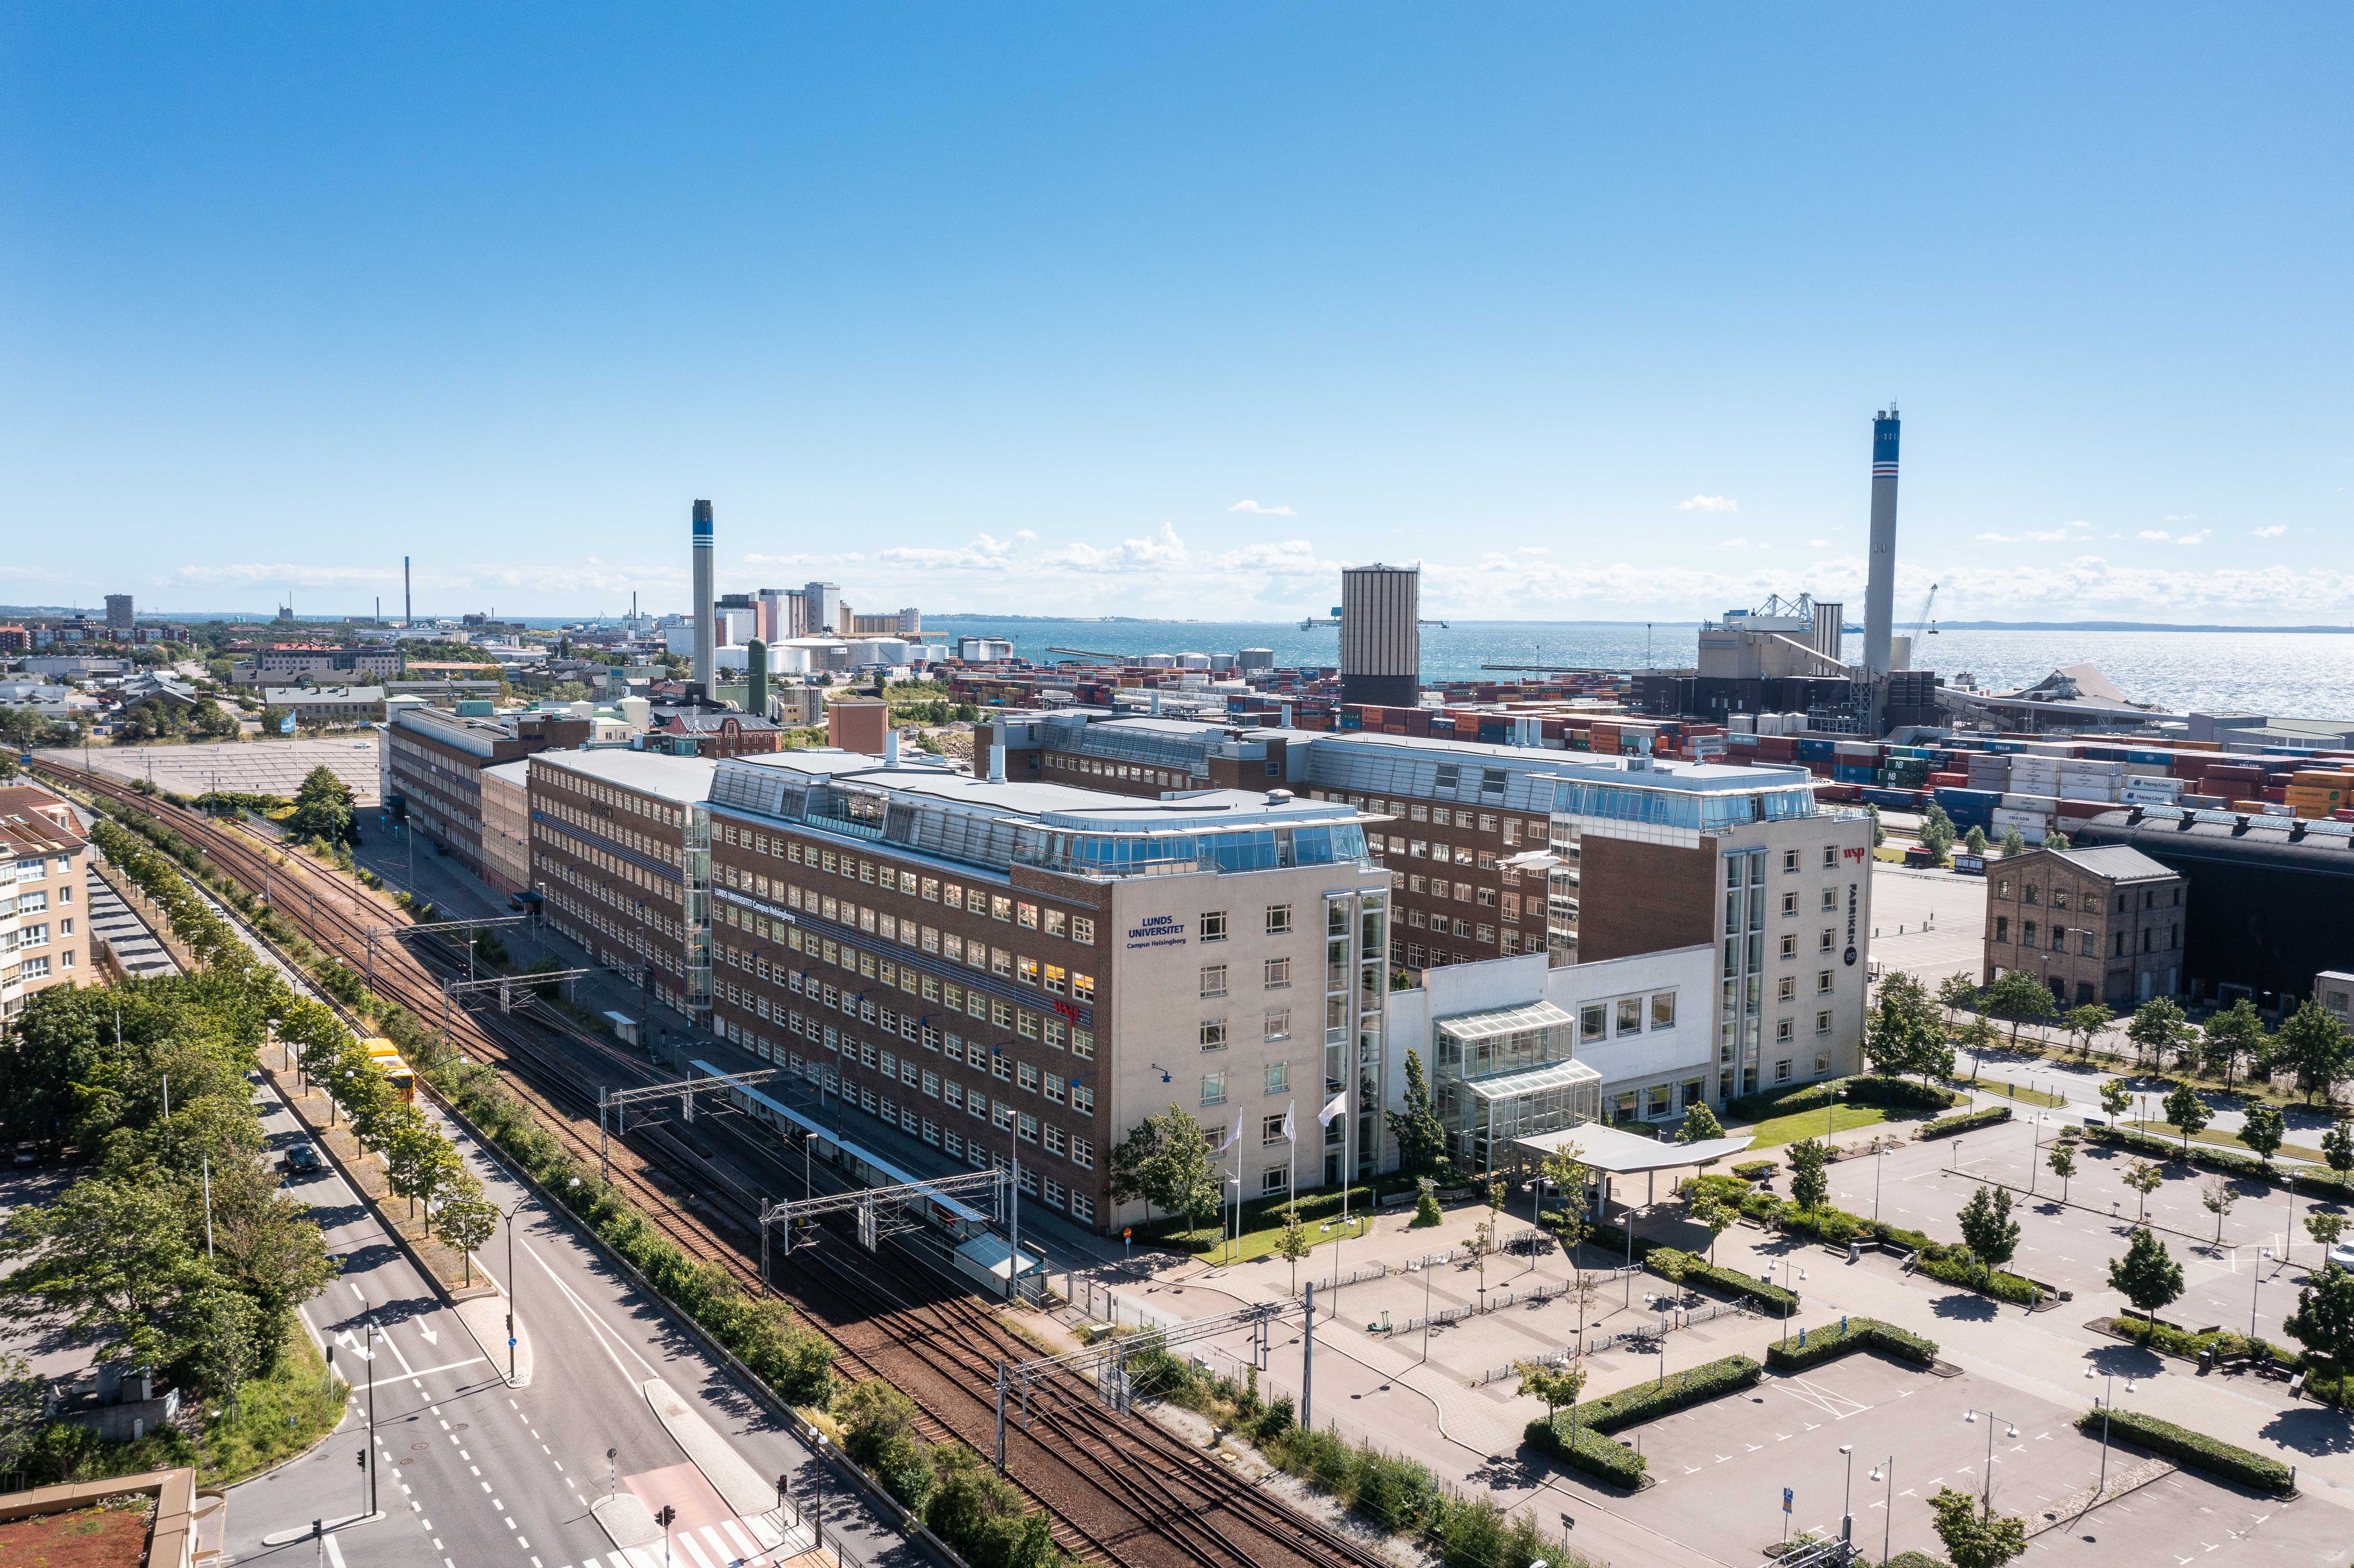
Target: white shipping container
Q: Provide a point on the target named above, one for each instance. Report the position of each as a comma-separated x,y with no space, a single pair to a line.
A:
1746,724
2004,817
2025,801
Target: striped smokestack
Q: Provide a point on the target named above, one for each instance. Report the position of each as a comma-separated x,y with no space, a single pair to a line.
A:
706,662
1880,585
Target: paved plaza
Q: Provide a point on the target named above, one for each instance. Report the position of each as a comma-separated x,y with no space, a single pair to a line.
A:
245,767
1929,924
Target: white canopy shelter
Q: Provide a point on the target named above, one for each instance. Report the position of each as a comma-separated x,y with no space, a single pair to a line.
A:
1617,1153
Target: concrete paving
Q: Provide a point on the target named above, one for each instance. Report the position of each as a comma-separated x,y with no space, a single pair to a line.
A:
1929,924
248,767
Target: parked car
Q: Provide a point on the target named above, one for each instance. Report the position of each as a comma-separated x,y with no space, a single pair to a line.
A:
301,1159
2342,1255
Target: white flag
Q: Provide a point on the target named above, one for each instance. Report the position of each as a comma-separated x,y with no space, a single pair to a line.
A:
1337,1106
1288,1131
1235,1135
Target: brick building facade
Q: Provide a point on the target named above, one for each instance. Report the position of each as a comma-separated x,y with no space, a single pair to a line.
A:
2100,925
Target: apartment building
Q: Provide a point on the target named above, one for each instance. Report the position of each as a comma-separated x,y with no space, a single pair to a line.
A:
2100,925
996,965
620,856
287,663
323,706
44,859
713,732
433,764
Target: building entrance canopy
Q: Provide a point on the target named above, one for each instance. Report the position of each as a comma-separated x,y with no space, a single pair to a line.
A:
1626,1153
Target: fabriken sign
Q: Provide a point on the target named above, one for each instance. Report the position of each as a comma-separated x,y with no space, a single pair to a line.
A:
1157,931
1851,899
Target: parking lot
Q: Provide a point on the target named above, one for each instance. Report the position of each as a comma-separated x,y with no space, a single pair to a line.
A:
245,767
1923,1186
1720,1468
1929,924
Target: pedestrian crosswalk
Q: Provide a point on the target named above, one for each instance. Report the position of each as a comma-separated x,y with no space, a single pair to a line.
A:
753,1539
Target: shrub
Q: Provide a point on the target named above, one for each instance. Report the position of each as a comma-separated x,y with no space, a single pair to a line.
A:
1954,1265
1755,1169
1969,1121
1818,1345
1903,1093
2193,1448
1913,1560
1689,1268
2205,1156
1649,1401
1787,1102
2227,1345
1583,1448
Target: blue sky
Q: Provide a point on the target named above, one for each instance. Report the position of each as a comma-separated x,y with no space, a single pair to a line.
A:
1012,309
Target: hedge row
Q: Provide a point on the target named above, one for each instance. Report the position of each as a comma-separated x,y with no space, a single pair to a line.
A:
1953,1265
2194,1448
1786,1102
1969,1121
1909,1559
1874,1089
1689,1269
1815,1346
1648,1402
2334,1185
2226,1344
1583,1448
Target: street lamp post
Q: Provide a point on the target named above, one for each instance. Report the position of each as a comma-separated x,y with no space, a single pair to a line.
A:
1627,1218
514,1209
2107,1400
817,1519
1886,1471
371,1437
2263,1256
1846,1508
1985,1496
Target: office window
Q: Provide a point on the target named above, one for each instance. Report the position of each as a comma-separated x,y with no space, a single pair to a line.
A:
1083,930
1787,988
1058,978
1782,1071
1270,1129
1214,926
1213,1088
1659,1100
1026,913
1789,860
1058,924
1026,970
1027,1075
1212,1033
1214,980
1441,817
1825,945
1630,1015
1783,1029
1593,1021
1001,906
1002,1065
2084,947
1789,904
1028,1130
1830,862
1822,1023
1823,982
1277,972
2002,929
1278,1077
1279,919
1083,988
1791,947
1278,1023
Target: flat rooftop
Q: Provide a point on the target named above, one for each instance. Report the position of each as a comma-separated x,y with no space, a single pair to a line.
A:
685,780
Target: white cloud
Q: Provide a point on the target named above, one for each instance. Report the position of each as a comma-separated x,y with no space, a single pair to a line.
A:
1998,538
1733,544
1255,509
2182,517
1709,503
2275,531
1819,544
2197,538
2048,535
2158,535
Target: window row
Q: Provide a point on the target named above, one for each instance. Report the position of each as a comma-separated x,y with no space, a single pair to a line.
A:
1514,830
1050,1028
1594,1019
1275,1026
1050,978
1005,906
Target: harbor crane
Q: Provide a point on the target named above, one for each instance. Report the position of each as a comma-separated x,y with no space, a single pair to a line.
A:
1924,627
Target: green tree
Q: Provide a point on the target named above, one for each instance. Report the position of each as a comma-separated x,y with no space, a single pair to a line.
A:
2158,1030
1173,1169
2315,1047
208,719
2186,1110
2324,1320
420,1163
1879,833
1904,1032
568,692
2055,840
113,1258
2236,1033
1699,1126
1421,1140
323,809
2144,1178
2116,1097
24,1401
1292,1244
2264,1130
878,1431
2083,1023
1717,1216
2013,842
1972,1541
1988,1229
2336,1144
1979,1036
1975,841
2145,1276
1808,1185
1570,1223
1958,992
1936,831
2017,998
1425,1204
2325,1227
467,1224
2061,1161
1556,1386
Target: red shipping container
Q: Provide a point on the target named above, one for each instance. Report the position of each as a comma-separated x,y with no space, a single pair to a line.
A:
2277,794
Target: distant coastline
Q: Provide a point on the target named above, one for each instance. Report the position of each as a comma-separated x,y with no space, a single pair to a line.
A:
2119,626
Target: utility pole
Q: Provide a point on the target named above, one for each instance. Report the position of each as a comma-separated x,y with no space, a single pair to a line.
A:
1308,1364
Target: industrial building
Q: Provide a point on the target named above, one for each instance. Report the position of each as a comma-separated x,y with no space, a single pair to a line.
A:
2099,924
2267,897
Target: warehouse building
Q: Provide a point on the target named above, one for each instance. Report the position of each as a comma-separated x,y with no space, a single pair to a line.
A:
2101,924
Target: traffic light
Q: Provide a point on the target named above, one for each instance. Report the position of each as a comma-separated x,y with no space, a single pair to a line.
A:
667,1515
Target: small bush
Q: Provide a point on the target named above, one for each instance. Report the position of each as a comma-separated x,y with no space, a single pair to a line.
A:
1583,1448
1954,1265
1689,1269
1816,1346
2194,1448
1969,1121
2209,1157
1914,1560
1787,1102
1755,1169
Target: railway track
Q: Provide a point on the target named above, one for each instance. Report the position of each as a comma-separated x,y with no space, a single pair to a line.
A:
1117,1487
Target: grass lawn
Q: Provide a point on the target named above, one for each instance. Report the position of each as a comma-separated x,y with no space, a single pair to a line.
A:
1796,1125
1261,1241
2009,1091
2222,1138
